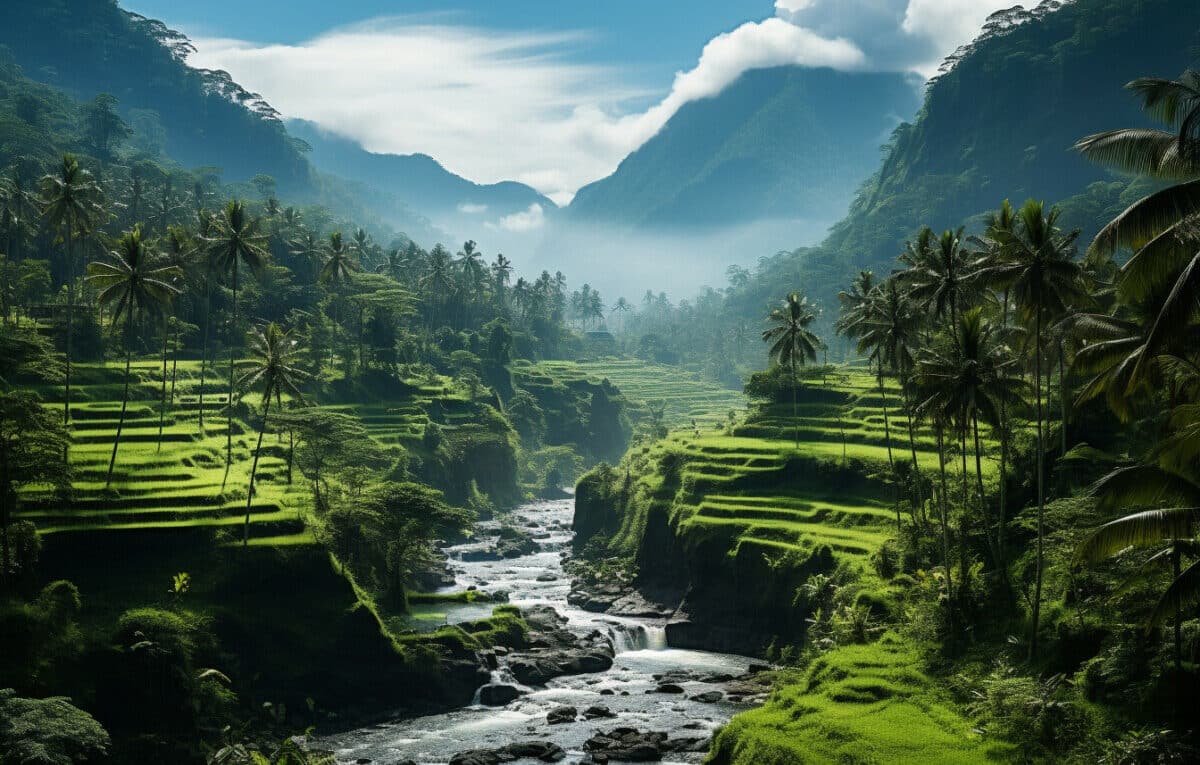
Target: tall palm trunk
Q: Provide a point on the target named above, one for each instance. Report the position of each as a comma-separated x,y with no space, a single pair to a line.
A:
795,416
887,430
1037,590
232,354
112,461
204,344
983,511
174,360
912,443
70,332
254,470
1003,509
1062,397
1178,617
943,503
966,499
162,398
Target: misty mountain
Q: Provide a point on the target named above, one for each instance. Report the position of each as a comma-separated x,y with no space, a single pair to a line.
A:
1001,123
787,142
417,180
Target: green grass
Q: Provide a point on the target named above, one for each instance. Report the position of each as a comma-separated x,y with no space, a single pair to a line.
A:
857,704
686,396
184,484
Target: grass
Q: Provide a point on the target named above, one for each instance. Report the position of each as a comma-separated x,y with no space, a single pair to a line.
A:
184,485
856,704
686,396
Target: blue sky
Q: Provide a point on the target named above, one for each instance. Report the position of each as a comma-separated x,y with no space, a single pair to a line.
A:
553,93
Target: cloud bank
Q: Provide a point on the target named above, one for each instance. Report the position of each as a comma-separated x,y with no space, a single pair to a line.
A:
497,105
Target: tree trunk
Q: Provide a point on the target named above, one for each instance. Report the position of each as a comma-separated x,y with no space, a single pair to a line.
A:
795,416
7,499
254,470
291,454
912,443
887,430
983,512
112,461
70,332
232,353
966,500
162,402
1062,398
1037,590
204,344
944,498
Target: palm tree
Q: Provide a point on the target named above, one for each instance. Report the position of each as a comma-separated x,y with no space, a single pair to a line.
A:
438,279
968,380
792,343
1162,228
336,271
622,307
501,274
274,371
131,284
237,240
1044,279
177,253
71,201
938,274
393,265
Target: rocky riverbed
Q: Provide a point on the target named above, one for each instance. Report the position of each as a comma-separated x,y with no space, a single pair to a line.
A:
591,687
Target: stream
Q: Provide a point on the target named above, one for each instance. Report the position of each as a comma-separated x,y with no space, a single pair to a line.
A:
628,690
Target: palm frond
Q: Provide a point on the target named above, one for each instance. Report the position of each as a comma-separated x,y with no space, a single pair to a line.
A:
1149,527
1148,217
1183,594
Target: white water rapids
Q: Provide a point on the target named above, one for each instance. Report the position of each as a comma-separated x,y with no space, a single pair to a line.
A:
641,648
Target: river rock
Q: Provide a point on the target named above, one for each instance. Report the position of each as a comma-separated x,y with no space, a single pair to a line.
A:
627,745
560,715
498,694
708,697
547,578
596,712
668,688
540,750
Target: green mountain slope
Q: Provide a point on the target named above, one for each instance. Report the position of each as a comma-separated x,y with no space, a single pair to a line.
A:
786,142
999,125
86,47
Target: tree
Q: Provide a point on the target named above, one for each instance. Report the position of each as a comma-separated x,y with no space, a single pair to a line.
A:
48,731
1161,227
131,284
236,241
938,273
967,380
328,442
71,205
104,126
31,446
791,341
274,372
337,269
1044,279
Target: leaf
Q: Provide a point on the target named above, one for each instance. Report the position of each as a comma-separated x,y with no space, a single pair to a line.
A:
1142,529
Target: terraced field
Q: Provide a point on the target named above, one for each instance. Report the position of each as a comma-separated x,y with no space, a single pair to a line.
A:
687,398
756,486
184,483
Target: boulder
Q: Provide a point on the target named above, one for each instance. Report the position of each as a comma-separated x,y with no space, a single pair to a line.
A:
708,697
560,715
498,694
595,712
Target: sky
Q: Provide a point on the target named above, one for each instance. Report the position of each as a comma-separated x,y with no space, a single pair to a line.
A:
550,93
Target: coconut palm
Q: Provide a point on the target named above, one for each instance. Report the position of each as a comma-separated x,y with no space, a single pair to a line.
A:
131,284
964,381
393,265
337,269
792,343
1163,228
1042,276
71,205
938,274
274,371
236,241
501,275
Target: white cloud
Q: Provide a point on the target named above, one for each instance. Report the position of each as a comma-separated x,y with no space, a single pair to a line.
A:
467,208
498,105
531,219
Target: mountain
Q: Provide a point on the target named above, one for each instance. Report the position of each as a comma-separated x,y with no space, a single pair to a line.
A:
416,180
787,142
203,118
1000,123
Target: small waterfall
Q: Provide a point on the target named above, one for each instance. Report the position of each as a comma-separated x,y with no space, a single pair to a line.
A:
638,637
500,676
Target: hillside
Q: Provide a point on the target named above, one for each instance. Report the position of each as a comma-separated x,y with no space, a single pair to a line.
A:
415,180
786,142
1001,124
201,118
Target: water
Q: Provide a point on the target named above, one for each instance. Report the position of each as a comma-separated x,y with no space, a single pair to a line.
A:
642,652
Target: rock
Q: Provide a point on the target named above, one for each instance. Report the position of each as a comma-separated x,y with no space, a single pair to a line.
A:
543,618
592,713
668,688
547,578
498,694
607,692
627,745
477,757
754,669
687,745
560,715
540,750
709,697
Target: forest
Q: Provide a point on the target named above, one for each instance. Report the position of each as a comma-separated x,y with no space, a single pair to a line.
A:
284,484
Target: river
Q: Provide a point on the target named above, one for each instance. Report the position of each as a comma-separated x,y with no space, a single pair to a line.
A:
643,660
